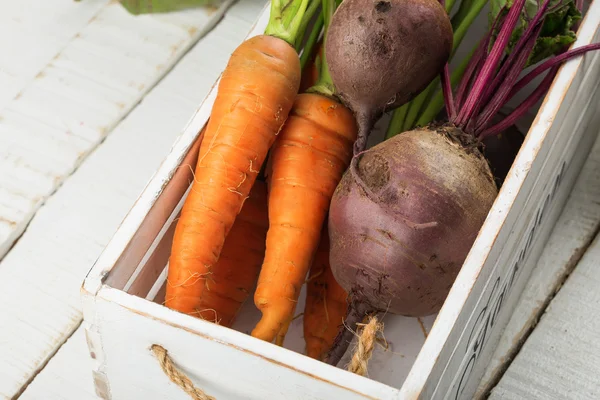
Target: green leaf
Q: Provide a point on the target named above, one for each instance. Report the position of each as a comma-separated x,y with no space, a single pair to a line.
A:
138,7
556,31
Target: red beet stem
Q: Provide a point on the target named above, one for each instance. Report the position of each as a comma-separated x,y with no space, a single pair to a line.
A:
472,104
492,80
447,90
469,75
499,97
523,107
549,64
520,52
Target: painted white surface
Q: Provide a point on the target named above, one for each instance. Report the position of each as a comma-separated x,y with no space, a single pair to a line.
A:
212,356
70,72
67,375
41,276
561,358
573,233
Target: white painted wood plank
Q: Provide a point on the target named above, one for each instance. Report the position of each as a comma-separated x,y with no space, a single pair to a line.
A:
41,276
573,233
67,375
86,77
32,32
561,358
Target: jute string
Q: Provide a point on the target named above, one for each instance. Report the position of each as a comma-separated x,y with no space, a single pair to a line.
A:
358,364
176,376
364,347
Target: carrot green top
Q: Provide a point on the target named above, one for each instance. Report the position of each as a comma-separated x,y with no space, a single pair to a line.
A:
289,18
324,85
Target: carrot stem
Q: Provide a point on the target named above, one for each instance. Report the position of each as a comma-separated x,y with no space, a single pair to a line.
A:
289,18
312,40
324,85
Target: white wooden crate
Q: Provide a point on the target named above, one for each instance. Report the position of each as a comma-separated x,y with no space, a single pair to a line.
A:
122,294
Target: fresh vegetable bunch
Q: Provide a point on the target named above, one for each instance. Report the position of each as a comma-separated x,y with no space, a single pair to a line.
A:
285,191
408,210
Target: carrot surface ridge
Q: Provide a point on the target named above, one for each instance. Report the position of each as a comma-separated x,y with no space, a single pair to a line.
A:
246,116
326,304
307,162
233,277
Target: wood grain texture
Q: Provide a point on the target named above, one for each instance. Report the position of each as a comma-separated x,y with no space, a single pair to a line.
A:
74,70
561,358
67,375
41,276
207,359
573,233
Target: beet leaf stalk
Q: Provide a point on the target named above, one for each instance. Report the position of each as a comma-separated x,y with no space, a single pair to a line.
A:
557,33
408,210
404,117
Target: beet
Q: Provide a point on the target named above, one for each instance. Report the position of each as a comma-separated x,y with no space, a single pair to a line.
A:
400,227
419,201
407,212
382,53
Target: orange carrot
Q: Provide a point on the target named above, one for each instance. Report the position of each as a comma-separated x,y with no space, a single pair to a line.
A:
255,94
233,277
306,164
326,305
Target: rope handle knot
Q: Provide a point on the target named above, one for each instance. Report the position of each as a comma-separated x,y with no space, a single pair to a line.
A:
358,364
364,347
175,374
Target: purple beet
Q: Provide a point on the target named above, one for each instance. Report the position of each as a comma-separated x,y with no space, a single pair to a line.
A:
383,53
406,213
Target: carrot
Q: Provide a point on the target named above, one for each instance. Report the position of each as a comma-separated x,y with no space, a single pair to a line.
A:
254,96
233,277
307,162
326,305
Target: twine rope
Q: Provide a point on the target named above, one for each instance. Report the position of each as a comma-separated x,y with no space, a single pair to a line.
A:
176,376
364,347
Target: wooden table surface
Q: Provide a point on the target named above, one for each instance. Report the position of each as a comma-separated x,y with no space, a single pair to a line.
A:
91,99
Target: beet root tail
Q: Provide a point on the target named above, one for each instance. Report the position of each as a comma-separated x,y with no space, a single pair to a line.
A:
347,331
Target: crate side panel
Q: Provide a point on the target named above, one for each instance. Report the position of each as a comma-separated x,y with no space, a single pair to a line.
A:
220,369
467,318
574,230
536,208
